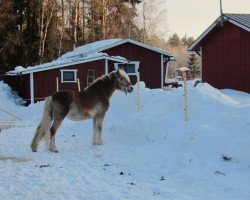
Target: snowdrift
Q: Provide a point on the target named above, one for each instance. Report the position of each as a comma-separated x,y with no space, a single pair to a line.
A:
151,154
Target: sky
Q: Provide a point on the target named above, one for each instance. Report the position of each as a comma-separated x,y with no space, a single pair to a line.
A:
192,17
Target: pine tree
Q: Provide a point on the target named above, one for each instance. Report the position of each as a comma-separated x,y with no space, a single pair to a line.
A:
194,67
187,41
9,36
174,40
31,33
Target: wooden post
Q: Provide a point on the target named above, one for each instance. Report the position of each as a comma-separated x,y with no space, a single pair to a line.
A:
138,92
79,86
57,84
184,74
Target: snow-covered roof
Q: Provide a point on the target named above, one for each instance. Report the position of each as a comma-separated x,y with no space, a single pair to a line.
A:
67,59
240,20
86,53
102,45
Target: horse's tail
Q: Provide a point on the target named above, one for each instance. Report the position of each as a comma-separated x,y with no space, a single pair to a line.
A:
43,129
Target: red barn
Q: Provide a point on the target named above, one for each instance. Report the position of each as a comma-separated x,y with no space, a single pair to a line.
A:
81,66
225,52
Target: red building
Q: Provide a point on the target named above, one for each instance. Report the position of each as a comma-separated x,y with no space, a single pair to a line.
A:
81,66
225,52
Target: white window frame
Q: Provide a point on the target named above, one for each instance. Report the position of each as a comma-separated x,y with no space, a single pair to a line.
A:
69,70
136,63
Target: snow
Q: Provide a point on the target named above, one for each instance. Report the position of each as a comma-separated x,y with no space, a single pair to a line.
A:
183,69
82,53
151,154
91,47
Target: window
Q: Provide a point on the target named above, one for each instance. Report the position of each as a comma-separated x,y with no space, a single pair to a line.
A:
68,76
130,68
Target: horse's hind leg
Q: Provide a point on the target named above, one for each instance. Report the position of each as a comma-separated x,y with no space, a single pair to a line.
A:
56,124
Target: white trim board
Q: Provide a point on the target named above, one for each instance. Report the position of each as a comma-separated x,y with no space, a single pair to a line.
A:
69,70
32,99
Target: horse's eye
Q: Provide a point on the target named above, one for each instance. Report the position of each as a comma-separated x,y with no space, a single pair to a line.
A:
122,78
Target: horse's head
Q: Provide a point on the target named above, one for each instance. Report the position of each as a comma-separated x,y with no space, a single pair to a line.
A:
123,82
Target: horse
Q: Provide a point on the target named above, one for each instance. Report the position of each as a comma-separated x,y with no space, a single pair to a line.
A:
91,103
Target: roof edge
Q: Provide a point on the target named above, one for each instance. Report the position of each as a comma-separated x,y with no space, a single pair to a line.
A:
212,26
167,53
29,71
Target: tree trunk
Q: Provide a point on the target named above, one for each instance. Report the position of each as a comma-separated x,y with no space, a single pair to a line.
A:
104,19
41,28
62,29
46,31
144,21
83,22
75,24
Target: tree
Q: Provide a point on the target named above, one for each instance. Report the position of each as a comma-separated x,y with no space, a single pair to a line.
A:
46,13
153,20
193,65
30,36
9,35
174,40
187,40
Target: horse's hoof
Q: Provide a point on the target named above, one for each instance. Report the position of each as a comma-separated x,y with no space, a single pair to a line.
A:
56,151
33,150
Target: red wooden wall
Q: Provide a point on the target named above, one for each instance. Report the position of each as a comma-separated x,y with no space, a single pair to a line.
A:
20,83
226,58
150,62
45,81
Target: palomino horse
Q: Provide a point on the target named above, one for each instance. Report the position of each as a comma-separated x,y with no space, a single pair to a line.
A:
92,102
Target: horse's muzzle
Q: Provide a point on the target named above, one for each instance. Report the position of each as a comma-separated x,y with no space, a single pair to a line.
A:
129,89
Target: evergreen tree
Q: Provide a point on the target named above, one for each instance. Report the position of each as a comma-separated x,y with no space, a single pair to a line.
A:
174,40
187,41
9,36
194,67
37,31
31,33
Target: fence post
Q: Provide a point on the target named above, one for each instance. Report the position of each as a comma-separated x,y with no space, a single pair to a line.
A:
138,92
185,95
79,86
57,84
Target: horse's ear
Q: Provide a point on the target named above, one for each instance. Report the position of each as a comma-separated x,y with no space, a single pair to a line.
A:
117,73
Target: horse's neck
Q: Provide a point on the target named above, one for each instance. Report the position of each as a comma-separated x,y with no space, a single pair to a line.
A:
109,85
105,86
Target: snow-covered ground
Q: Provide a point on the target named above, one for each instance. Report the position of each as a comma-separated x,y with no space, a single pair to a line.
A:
151,154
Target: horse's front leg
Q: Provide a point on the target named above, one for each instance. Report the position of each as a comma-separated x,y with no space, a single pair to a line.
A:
97,129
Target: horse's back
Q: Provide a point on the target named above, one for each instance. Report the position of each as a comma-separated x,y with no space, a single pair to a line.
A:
64,97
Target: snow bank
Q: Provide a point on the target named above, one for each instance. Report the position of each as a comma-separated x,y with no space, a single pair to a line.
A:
151,154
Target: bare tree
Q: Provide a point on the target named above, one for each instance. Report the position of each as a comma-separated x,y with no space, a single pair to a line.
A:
47,6
152,19
62,28
76,6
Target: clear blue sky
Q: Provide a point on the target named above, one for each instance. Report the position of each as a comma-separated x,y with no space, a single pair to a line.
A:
194,16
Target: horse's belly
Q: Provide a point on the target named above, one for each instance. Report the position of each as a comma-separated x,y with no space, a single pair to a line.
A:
77,116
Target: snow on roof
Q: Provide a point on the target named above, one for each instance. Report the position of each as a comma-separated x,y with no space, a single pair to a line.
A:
86,53
65,61
89,48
